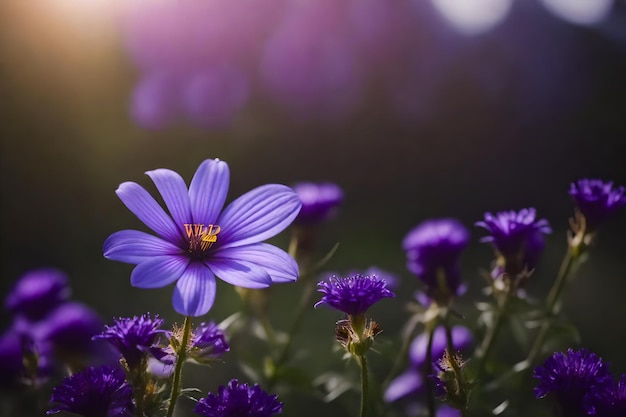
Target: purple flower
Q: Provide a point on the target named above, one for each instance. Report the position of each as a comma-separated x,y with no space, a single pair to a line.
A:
353,294
69,327
318,201
208,342
412,381
433,248
597,200
134,337
239,400
37,292
608,402
198,240
569,377
11,363
516,236
94,392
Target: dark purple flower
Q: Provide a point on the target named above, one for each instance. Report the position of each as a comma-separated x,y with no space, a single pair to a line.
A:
319,200
134,337
569,377
209,342
411,381
353,294
597,200
239,400
94,392
608,402
516,236
11,364
433,248
37,292
69,327
198,240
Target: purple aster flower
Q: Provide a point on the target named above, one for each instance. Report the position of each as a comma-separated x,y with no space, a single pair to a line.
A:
94,392
516,236
37,292
608,402
319,200
434,247
134,337
239,400
198,240
569,377
209,342
597,200
411,381
353,294
11,359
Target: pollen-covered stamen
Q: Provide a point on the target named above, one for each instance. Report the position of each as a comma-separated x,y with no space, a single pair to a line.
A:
201,237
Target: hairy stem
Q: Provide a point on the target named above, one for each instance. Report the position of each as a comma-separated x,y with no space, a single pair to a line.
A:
455,366
178,370
364,384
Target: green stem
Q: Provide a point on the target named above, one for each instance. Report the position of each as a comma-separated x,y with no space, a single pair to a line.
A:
408,336
489,341
178,370
295,325
138,385
364,384
430,399
552,303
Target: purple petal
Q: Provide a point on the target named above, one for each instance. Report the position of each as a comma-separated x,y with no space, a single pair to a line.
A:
195,291
158,272
258,215
174,192
403,385
279,265
208,190
243,274
133,247
141,203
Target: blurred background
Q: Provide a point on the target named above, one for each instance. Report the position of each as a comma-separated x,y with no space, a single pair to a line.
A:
417,109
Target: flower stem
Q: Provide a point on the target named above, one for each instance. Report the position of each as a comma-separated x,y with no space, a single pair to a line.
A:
364,384
409,334
489,341
178,370
430,399
569,260
295,325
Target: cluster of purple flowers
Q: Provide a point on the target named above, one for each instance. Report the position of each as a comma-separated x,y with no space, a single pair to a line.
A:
206,61
581,384
47,328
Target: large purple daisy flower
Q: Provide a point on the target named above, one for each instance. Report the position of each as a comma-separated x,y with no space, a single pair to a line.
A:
198,240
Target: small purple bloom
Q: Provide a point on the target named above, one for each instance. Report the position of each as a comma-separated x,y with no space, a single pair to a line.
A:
70,327
11,364
516,236
319,200
434,247
208,342
411,381
608,402
353,294
134,337
38,292
94,392
569,377
198,240
597,200
239,400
